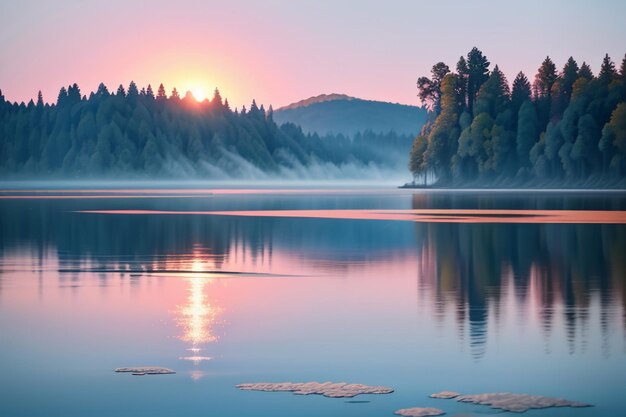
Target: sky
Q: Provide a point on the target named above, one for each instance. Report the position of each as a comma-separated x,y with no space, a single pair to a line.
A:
282,51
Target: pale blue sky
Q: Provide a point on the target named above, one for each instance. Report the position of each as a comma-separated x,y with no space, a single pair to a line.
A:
281,51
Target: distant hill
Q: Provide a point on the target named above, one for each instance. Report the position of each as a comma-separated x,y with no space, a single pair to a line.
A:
339,113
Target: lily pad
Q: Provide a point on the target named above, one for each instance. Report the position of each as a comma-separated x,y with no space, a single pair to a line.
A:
327,389
146,370
445,395
419,412
518,403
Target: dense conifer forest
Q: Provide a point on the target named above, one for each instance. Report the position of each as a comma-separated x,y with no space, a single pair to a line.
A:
566,127
132,133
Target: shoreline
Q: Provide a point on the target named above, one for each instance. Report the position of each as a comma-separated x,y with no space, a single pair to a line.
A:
522,188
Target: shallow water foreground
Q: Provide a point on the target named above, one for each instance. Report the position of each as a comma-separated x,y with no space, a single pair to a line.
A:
419,291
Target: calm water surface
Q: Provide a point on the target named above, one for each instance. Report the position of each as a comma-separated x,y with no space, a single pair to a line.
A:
420,291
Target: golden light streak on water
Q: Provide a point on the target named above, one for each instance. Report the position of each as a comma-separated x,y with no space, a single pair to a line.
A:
416,215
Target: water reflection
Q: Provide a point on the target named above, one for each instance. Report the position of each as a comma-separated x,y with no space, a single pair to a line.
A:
566,281
197,317
561,277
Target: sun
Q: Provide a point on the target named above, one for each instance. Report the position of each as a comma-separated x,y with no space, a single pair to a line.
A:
198,93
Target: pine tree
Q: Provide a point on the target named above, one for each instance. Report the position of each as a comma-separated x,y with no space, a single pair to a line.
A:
462,76
133,92
161,93
150,93
39,99
493,96
569,76
73,94
477,74
120,91
585,72
254,109
545,78
217,99
174,95
542,91
102,91
62,97
562,88
607,70
521,92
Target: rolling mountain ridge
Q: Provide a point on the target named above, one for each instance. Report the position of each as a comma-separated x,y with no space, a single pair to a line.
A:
342,114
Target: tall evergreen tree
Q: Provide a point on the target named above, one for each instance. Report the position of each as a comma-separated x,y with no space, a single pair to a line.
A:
462,75
149,92
73,94
607,70
217,98
161,93
102,91
585,72
542,91
494,94
562,89
132,90
477,74
569,76
545,78
521,92
62,97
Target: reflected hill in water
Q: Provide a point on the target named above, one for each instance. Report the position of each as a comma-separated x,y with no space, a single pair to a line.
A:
560,274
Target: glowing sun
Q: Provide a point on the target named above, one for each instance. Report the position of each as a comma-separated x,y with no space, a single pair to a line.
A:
198,93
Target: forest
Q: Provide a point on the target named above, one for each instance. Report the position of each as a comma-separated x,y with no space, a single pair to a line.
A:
133,133
565,128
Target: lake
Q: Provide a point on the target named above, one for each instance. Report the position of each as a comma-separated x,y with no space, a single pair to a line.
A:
417,290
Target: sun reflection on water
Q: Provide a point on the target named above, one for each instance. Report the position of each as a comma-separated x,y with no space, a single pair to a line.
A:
197,318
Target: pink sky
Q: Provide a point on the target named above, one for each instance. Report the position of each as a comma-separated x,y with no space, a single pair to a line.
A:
282,51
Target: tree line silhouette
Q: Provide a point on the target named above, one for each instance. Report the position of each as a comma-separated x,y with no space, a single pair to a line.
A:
132,132
567,127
